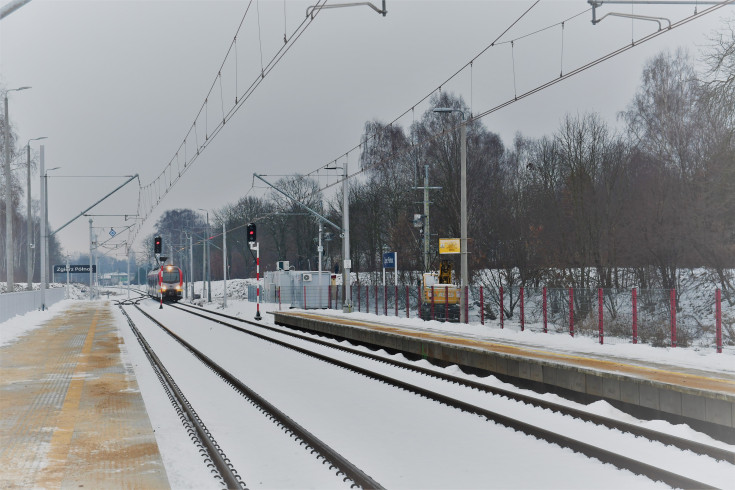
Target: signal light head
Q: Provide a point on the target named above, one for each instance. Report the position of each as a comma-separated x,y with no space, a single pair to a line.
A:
251,233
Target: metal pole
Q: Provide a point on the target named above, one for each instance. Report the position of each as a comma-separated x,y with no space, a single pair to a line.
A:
29,221
191,266
45,214
204,271
68,291
347,264
43,231
224,262
257,279
91,246
320,249
8,207
128,276
427,232
463,242
209,265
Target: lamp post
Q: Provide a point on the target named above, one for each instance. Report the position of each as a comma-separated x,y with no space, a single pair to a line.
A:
463,204
45,213
44,224
29,218
8,199
208,277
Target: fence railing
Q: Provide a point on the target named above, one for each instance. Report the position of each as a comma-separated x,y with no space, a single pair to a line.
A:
657,317
20,303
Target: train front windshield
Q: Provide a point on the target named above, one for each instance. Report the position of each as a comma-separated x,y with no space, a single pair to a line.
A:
170,276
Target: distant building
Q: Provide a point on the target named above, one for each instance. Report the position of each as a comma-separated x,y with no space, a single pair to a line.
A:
114,279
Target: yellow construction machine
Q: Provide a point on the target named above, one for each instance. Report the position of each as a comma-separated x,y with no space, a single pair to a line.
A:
440,298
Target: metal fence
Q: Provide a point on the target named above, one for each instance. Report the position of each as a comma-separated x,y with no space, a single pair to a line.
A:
657,317
20,303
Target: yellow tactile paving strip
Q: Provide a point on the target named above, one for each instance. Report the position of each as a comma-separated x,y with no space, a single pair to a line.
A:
71,412
699,381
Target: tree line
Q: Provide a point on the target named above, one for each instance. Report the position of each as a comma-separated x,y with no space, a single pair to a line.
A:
592,205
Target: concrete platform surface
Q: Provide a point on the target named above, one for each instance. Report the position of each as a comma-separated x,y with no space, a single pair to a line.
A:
71,412
705,399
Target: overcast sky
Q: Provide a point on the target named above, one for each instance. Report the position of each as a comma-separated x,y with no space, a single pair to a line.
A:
117,85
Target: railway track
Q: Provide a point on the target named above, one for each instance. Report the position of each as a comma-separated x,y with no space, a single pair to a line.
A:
591,450
201,436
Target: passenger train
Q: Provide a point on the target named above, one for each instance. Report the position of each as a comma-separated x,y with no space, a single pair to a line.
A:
166,282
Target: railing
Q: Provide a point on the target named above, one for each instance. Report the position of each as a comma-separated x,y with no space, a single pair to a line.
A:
20,303
657,317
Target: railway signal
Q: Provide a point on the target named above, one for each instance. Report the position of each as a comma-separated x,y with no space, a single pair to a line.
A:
157,245
251,232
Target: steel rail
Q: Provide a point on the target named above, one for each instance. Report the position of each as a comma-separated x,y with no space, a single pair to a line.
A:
603,455
342,464
196,428
680,442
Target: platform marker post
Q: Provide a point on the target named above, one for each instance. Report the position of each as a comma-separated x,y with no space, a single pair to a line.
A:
502,313
432,302
599,314
407,303
571,312
635,316
482,308
385,300
673,318
376,299
466,305
718,320
546,325
395,296
523,312
446,303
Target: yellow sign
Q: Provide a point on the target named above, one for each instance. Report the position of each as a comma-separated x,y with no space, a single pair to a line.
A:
449,246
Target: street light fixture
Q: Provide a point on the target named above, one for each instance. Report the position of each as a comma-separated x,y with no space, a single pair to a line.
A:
463,204
8,200
29,224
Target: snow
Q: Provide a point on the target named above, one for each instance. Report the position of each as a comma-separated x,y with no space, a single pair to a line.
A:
432,446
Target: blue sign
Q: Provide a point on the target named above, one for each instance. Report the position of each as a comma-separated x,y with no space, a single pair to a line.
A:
389,260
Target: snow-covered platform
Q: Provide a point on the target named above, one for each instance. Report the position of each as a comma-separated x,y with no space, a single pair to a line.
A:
71,411
701,397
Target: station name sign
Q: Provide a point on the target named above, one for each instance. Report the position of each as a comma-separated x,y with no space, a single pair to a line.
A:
74,269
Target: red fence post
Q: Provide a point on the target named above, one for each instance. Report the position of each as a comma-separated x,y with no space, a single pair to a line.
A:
367,298
446,303
329,296
635,316
502,313
466,304
279,298
546,328
359,298
599,313
432,302
571,312
418,303
395,297
482,308
376,299
673,318
718,321
407,303
523,312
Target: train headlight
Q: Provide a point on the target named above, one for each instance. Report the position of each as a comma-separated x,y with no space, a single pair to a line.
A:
178,288
163,288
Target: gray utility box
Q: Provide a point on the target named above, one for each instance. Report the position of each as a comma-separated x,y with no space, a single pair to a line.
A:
310,289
